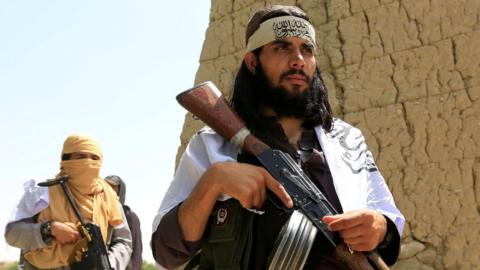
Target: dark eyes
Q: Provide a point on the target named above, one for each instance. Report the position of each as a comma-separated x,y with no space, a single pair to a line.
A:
281,47
93,157
308,49
285,47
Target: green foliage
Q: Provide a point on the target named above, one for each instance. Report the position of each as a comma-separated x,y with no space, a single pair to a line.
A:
9,266
13,266
148,266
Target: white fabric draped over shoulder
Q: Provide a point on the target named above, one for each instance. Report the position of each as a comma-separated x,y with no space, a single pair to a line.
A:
357,181
205,148
34,200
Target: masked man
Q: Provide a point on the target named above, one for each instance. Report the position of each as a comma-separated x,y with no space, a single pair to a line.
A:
44,224
280,95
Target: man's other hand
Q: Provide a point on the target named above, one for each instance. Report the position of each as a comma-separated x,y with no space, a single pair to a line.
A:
362,230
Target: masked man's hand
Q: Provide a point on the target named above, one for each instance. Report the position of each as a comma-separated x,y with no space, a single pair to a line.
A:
65,232
362,230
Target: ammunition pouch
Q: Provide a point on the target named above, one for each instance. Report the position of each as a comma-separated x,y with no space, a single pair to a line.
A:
229,238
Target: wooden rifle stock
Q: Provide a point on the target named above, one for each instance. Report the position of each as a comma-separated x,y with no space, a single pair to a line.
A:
206,102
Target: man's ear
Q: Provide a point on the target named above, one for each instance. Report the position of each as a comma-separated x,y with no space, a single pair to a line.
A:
250,60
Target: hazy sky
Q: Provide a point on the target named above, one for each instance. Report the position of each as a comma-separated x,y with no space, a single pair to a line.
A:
110,69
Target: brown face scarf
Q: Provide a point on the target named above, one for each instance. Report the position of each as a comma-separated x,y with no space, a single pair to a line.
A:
97,202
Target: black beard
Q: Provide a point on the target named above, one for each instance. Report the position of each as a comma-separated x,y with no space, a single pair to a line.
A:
284,103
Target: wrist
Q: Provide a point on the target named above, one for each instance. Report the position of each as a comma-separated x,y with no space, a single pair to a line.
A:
386,240
194,211
389,234
212,180
384,226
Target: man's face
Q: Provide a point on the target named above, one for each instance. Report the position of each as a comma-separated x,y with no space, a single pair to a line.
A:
289,64
115,188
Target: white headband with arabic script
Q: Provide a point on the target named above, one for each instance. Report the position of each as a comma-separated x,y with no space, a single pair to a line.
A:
280,28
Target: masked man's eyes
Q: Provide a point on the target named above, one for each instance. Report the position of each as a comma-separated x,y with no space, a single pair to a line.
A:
85,156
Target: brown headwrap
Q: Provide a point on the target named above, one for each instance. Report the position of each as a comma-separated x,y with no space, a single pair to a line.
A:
97,202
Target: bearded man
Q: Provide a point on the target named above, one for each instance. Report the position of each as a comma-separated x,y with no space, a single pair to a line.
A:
279,93
44,224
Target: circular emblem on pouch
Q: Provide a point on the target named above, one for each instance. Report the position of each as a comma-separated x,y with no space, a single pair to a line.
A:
221,215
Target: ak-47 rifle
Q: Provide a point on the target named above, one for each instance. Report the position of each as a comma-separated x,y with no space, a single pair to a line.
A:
96,256
206,102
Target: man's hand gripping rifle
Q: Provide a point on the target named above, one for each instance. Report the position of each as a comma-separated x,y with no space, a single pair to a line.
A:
96,256
206,102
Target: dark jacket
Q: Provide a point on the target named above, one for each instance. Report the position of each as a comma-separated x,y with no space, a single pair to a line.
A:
133,223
